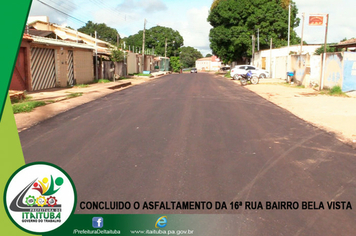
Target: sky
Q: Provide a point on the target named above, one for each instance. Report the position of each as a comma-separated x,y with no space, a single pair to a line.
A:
189,17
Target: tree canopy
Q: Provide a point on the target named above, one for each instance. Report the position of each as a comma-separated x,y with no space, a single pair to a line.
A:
156,38
188,56
235,21
104,32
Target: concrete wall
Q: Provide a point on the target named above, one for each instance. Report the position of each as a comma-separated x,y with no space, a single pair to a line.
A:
333,70
279,67
276,59
83,66
131,63
315,70
349,72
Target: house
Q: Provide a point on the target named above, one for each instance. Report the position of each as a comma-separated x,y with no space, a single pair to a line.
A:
208,64
49,63
161,63
347,45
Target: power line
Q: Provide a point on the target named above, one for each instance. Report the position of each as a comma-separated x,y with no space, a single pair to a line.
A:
60,11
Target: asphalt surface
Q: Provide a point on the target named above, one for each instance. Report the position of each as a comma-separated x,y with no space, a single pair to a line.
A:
199,137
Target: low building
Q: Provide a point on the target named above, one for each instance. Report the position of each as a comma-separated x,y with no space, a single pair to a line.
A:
208,64
50,63
275,61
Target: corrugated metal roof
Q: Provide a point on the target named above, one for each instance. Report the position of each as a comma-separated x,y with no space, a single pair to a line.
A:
57,42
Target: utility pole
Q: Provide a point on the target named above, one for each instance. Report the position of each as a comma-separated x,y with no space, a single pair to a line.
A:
117,40
253,49
258,39
143,47
288,57
270,58
96,57
301,42
165,55
324,56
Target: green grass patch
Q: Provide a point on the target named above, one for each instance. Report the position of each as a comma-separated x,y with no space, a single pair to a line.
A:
102,81
27,106
334,91
74,95
227,75
82,85
140,74
123,78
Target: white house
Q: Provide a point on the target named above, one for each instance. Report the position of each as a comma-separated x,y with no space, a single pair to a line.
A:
212,63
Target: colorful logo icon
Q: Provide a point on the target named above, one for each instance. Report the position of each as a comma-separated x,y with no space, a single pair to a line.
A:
98,222
161,222
39,197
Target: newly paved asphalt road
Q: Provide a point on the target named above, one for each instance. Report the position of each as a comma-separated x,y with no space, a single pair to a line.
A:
198,137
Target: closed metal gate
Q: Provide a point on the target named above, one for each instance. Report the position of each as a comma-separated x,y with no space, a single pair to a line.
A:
70,68
19,80
43,68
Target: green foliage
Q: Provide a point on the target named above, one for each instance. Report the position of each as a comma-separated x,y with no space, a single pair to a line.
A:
208,55
74,95
82,85
188,56
320,50
101,81
175,64
235,21
141,74
104,32
27,106
117,55
156,38
334,91
227,75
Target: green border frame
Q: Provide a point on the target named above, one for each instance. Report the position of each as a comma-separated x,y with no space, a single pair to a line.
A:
13,10
32,164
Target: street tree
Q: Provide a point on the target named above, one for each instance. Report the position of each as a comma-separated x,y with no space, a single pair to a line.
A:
176,65
156,39
104,32
208,55
188,56
235,21
320,50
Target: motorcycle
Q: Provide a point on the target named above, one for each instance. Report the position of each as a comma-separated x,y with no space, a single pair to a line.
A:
244,78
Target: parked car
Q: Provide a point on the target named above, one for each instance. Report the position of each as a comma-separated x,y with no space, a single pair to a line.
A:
242,69
194,70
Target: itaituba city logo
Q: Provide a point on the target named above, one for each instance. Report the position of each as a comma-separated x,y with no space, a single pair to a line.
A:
39,197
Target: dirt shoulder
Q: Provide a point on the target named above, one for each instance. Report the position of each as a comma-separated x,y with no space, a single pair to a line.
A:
333,114
62,104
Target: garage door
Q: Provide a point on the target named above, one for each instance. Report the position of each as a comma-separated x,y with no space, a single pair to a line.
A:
43,68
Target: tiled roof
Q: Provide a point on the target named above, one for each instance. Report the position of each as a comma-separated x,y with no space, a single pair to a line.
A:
205,59
27,37
349,42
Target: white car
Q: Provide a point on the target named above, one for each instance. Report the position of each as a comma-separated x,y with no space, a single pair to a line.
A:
243,69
